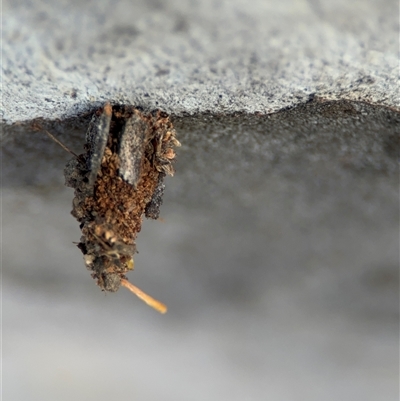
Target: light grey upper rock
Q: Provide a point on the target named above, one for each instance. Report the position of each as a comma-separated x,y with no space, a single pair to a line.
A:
61,58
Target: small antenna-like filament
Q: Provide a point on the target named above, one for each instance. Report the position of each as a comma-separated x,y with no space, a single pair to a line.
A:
61,144
157,305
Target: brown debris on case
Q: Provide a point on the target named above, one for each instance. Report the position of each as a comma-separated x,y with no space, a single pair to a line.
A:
117,181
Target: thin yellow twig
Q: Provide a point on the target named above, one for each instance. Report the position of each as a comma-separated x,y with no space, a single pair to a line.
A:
157,305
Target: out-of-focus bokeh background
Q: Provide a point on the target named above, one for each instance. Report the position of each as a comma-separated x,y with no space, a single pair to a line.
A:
278,251
280,270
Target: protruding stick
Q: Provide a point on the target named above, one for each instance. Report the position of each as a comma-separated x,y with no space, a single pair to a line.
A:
157,305
61,144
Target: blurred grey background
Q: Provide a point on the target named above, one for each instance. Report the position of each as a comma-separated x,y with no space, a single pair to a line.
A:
278,252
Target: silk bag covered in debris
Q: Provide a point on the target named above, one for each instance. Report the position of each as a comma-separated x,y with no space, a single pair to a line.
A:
117,180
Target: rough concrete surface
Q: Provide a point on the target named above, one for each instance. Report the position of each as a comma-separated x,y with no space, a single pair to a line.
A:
278,253
61,58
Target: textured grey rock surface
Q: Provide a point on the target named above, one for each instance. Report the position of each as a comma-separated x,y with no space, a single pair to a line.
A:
278,256
62,58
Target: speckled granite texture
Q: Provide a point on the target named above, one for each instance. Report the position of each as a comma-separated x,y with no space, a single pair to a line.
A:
62,58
